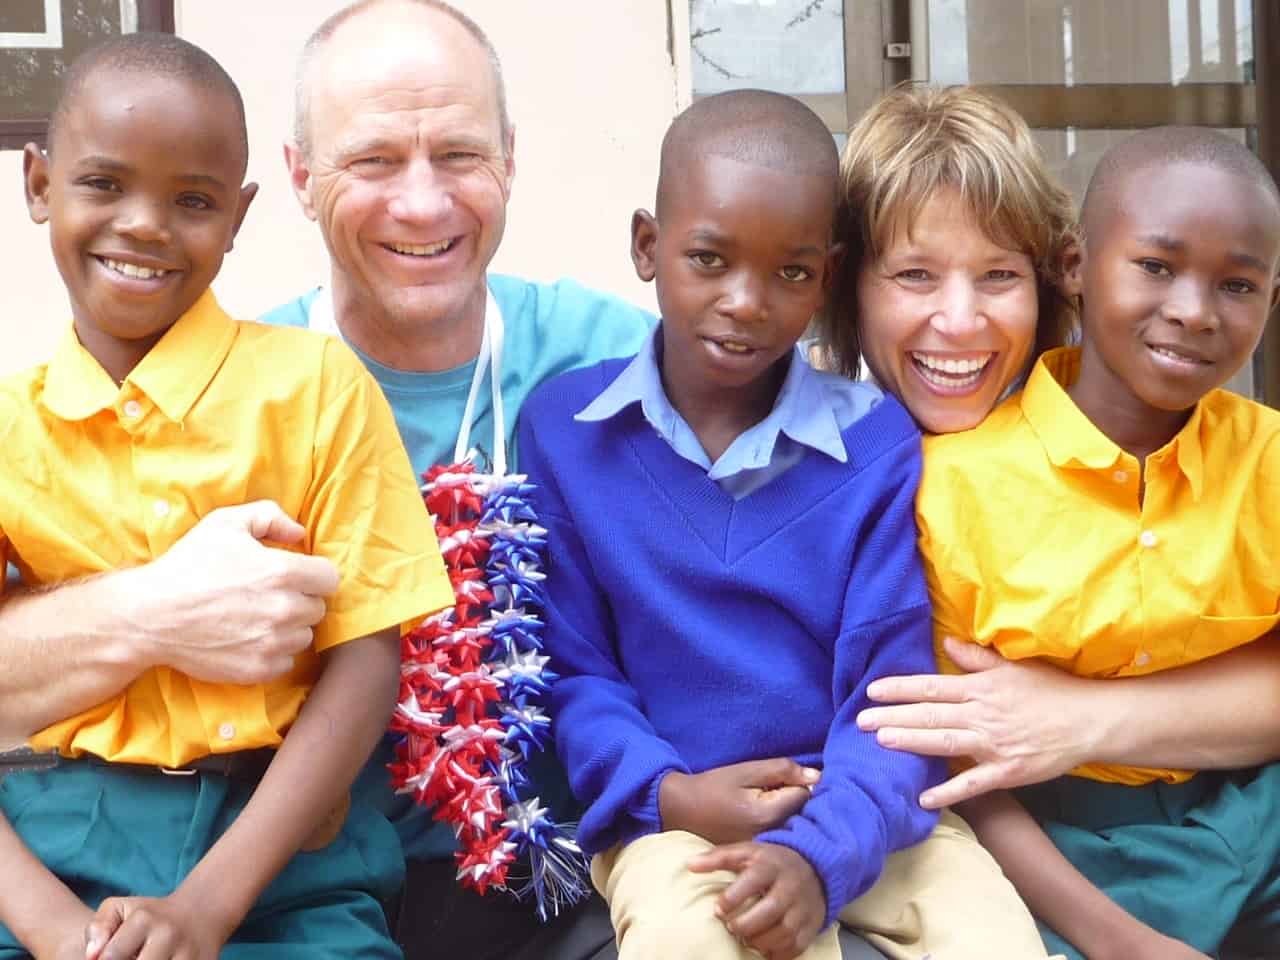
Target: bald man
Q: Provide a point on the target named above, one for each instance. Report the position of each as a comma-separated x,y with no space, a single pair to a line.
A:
403,154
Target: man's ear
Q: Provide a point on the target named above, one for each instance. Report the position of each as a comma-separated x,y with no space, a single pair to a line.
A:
1073,269
644,244
247,193
35,180
510,158
299,178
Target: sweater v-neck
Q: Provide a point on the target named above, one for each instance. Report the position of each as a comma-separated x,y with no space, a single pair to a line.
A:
731,529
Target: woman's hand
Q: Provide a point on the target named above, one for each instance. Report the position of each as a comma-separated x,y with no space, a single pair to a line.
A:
1021,722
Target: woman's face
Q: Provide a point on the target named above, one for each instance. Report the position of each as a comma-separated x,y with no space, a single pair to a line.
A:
947,318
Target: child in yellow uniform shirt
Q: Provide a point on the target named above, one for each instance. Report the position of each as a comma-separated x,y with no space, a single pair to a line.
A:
1119,517
172,822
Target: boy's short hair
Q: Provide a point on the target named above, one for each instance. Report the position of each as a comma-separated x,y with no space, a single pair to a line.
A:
156,54
752,126
1167,146
917,140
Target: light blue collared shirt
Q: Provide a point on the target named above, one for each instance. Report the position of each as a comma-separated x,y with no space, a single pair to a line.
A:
812,409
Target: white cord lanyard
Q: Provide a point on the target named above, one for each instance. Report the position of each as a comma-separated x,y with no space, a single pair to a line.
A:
320,318
490,357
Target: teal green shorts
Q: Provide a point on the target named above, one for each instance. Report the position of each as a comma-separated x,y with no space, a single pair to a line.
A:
107,831
1198,861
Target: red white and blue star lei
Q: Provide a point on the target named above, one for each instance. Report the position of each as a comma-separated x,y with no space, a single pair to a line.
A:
472,685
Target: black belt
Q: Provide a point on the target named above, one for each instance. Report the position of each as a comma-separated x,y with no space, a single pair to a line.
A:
243,766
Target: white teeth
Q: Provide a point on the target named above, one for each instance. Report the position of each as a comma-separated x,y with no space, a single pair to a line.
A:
1173,355
952,365
131,270
733,347
421,249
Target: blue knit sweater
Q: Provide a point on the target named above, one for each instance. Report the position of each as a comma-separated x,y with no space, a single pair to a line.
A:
693,631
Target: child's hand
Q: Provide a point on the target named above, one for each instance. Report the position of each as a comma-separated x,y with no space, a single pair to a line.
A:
734,803
152,929
776,904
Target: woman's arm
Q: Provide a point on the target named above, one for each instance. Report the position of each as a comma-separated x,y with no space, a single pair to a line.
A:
1025,722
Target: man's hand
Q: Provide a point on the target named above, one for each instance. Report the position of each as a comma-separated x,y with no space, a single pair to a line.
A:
153,929
776,905
1018,720
734,803
222,606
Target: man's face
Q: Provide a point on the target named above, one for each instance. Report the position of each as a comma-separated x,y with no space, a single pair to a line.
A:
142,196
408,171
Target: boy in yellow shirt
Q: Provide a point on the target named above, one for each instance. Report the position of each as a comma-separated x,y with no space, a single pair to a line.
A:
172,821
1119,517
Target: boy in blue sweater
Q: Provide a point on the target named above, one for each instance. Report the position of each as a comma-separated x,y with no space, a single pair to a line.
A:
731,562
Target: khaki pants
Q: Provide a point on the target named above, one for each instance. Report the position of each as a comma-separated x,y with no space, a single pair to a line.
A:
944,899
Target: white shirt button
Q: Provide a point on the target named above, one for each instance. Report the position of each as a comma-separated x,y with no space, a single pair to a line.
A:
1120,476
161,507
227,730
1148,539
1142,659
132,409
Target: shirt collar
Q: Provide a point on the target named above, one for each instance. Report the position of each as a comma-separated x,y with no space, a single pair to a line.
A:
172,374
1070,439
802,410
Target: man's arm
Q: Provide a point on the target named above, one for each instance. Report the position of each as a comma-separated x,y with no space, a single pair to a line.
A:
309,778
219,606
1058,893
1026,722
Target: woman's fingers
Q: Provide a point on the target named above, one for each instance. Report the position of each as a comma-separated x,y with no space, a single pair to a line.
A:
932,687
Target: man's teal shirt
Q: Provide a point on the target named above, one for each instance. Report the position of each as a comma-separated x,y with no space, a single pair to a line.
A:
549,328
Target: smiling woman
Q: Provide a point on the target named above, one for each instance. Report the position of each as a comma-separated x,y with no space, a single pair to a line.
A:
958,239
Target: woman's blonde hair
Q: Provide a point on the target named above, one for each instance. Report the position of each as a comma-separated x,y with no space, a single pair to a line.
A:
918,140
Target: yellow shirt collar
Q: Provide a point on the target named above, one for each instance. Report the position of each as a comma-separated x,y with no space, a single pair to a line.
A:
1071,440
172,375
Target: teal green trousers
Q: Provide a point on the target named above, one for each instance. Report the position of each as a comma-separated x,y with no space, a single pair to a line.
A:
1198,861
107,831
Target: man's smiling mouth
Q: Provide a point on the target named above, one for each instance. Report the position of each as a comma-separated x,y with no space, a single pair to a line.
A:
423,249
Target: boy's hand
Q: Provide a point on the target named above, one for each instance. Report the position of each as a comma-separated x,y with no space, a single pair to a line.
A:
776,905
734,803
152,929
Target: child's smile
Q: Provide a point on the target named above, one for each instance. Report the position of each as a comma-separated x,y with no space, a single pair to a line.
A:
1176,290
141,190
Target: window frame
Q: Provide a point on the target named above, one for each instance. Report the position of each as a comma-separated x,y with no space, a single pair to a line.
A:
17,132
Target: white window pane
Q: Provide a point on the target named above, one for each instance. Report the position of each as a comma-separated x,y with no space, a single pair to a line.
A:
792,46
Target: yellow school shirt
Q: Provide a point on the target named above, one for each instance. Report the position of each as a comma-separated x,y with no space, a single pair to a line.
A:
98,477
1035,543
